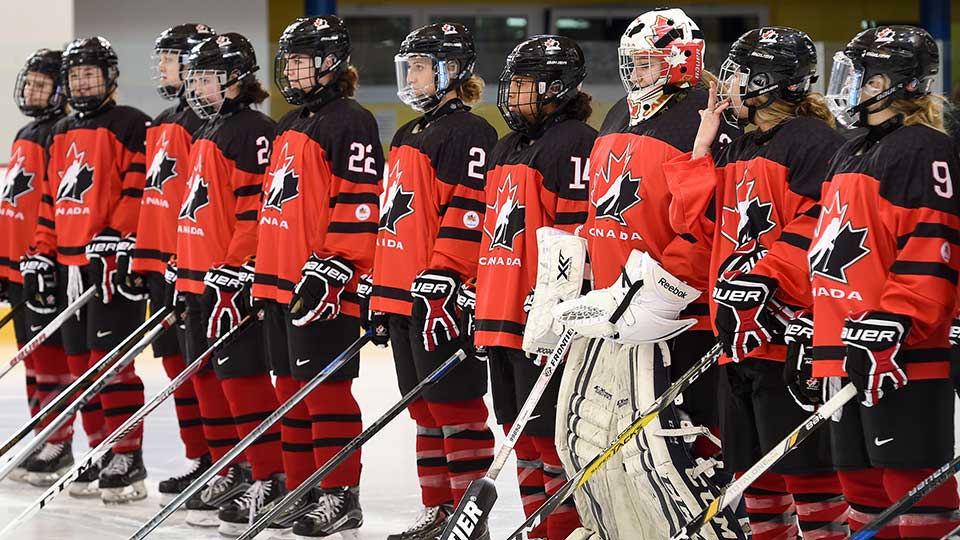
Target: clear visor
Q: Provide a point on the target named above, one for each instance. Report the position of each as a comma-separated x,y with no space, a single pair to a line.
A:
422,79
643,71
205,91
844,89
36,92
165,71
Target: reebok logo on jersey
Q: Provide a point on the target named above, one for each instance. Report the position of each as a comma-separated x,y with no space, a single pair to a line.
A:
162,166
617,192
751,216
508,215
396,203
17,181
284,182
77,179
198,197
837,245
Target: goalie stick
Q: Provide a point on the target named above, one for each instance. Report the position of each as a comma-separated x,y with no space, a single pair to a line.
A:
481,494
314,479
584,474
110,369
47,330
63,398
788,444
255,434
131,423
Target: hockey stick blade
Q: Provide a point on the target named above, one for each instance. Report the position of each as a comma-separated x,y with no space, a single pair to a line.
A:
128,426
634,429
264,520
787,445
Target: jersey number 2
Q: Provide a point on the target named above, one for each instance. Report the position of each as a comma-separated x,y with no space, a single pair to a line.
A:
263,151
361,159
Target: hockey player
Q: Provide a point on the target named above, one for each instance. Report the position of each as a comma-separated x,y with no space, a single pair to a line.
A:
535,178
142,258
317,235
634,249
96,177
884,280
429,236
39,95
216,243
761,198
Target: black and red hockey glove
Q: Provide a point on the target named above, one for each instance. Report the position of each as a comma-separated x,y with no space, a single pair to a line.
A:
317,296
955,352
131,285
744,320
434,295
806,390
364,290
39,282
380,323
873,340
467,304
101,251
226,297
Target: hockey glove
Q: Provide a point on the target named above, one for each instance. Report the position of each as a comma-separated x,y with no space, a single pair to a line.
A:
955,352
39,283
364,290
226,297
467,305
317,296
434,295
873,340
380,322
131,285
806,390
102,253
171,297
744,320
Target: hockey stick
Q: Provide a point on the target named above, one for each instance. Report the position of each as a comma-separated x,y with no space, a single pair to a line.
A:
481,494
46,332
131,423
584,474
314,479
787,445
11,314
107,371
952,535
906,502
251,437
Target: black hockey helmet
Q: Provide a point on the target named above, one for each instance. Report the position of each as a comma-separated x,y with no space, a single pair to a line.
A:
450,48
229,58
907,56
93,51
320,38
176,40
556,65
45,62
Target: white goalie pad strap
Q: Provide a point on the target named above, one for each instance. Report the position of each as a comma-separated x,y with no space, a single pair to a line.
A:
561,260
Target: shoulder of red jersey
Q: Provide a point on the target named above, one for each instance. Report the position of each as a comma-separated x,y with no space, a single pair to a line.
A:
617,118
129,125
245,138
38,131
181,115
562,156
289,118
451,143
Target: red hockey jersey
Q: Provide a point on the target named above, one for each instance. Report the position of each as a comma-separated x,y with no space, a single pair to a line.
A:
764,186
320,195
24,184
529,185
168,155
217,223
95,174
887,240
432,203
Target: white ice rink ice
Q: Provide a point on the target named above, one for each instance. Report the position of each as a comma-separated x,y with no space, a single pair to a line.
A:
389,493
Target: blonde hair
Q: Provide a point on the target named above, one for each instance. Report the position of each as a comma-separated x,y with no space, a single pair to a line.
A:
924,111
348,81
470,91
814,105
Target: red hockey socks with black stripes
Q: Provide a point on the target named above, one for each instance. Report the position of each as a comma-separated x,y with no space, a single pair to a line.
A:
335,415
121,398
187,408
295,435
252,400
467,441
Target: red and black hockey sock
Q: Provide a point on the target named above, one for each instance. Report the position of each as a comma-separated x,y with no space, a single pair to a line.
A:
935,515
252,400
467,441
431,458
91,414
531,480
53,377
335,415
218,426
121,398
295,435
188,410
564,520
821,508
30,377
771,509
867,498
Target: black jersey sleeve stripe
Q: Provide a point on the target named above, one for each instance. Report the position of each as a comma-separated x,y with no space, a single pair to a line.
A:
796,240
46,222
918,268
186,273
930,230
247,191
689,238
346,227
132,192
47,199
499,325
570,218
467,204
135,168
457,233
249,215
154,254
391,292
813,211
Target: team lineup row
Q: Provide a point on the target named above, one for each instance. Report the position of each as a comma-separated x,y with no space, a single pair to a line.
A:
594,277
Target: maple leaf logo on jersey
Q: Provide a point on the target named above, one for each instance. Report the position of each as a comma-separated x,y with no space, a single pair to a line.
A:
17,181
838,244
284,182
162,166
619,194
77,179
751,216
198,197
510,216
396,203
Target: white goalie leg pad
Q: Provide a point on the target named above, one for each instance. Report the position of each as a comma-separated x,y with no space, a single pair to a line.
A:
585,416
645,304
582,533
665,480
561,262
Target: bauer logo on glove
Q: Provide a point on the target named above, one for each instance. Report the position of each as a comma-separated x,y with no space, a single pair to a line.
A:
317,296
434,295
873,340
744,320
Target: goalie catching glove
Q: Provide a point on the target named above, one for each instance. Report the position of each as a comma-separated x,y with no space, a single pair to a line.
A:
226,297
873,340
317,296
434,295
39,283
644,307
